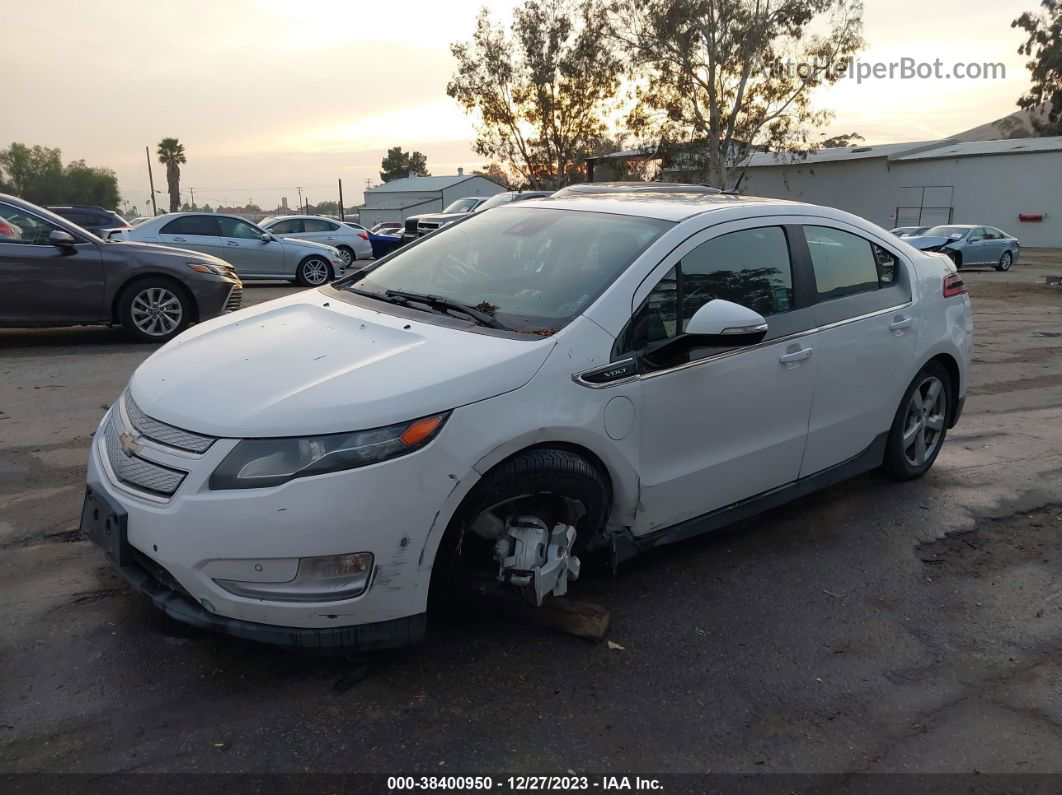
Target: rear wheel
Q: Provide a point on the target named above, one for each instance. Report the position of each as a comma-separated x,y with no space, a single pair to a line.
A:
1005,261
154,310
313,272
920,425
347,253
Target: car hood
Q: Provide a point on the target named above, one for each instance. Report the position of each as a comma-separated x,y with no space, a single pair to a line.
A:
442,217
309,363
927,241
297,243
158,249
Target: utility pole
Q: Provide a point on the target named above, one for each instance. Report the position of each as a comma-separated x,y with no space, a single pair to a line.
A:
300,198
151,181
341,199
192,191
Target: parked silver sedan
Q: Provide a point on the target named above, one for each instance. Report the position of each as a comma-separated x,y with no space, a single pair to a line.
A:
350,239
254,252
968,245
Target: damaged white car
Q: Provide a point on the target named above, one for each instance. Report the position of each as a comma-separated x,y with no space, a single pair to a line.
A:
595,373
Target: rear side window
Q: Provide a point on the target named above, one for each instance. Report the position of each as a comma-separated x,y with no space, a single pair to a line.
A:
192,225
291,226
846,264
313,225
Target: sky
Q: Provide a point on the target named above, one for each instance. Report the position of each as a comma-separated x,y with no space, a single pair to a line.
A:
271,95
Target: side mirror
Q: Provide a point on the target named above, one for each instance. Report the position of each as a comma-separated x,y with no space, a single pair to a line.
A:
61,239
266,237
720,322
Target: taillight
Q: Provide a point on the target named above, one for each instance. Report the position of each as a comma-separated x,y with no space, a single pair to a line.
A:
954,285
363,236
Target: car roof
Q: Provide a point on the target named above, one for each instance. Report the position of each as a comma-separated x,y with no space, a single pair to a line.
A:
666,205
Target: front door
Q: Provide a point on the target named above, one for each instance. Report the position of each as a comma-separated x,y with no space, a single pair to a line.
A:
864,345
243,246
720,425
42,283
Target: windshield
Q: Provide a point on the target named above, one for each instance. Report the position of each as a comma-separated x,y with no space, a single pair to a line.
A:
532,269
496,201
947,231
462,205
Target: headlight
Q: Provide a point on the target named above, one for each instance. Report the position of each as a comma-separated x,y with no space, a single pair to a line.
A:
206,267
258,463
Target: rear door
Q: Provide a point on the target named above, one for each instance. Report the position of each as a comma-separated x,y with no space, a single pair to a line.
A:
195,232
243,246
995,244
42,283
320,231
864,342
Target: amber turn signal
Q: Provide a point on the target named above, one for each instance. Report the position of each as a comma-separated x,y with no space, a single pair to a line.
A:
420,430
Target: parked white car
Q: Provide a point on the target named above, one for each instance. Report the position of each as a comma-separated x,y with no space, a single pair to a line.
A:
350,239
254,252
585,374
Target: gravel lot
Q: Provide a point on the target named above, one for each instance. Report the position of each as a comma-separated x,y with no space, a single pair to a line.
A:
871,627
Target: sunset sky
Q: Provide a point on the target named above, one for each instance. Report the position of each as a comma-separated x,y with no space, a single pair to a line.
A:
269,95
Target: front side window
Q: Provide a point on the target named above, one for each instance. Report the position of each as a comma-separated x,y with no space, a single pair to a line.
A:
290,226
192,225
845,264
17,226
533,270
750,267
234,227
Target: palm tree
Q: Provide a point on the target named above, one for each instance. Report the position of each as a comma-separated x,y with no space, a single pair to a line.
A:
171,155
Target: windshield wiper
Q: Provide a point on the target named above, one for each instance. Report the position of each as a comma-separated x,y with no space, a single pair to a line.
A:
441,303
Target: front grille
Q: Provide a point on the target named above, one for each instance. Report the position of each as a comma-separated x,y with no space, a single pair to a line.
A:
235,300
136,471
163,433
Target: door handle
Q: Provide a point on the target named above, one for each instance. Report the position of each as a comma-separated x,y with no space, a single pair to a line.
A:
178,240
900,323
793,358
232,243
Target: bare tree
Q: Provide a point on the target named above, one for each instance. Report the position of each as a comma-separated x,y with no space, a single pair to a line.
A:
719,79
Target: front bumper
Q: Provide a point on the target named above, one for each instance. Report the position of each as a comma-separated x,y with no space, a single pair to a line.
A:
181,543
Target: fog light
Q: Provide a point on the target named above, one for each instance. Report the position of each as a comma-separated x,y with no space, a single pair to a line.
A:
326,579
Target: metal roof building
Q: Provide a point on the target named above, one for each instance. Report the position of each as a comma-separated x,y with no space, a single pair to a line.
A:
1013,184
400,198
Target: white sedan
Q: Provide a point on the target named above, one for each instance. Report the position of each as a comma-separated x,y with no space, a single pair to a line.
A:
350,239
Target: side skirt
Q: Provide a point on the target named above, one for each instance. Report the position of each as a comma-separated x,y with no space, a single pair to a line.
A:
626,546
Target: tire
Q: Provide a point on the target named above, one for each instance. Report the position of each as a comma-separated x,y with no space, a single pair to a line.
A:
154,310
1005,261
545,482
314,271
920,425
347,253
956,258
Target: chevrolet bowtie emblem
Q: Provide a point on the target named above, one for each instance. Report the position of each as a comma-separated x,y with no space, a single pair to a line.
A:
130,445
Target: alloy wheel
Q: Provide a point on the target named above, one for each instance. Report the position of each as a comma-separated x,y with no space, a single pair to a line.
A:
1005,261
923,426
315,271
156,311
346,255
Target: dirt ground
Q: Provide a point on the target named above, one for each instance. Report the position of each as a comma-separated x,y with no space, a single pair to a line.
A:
871,627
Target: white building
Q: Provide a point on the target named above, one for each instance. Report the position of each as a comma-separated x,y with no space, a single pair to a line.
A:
1014,184
400,198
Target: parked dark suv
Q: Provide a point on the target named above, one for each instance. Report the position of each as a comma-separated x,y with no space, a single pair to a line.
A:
94,219
55,273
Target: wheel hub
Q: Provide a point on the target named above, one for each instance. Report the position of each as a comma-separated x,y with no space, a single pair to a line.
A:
536,560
